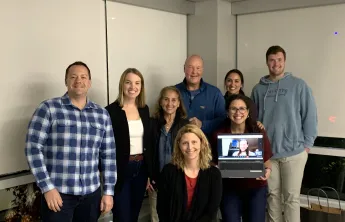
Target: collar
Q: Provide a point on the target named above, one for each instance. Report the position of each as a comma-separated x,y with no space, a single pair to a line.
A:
226,127
66,101
202,85
162,120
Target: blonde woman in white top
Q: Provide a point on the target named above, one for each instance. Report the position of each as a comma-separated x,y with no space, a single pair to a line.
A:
131,124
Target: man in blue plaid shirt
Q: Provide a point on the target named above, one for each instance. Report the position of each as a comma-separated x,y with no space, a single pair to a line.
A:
66,139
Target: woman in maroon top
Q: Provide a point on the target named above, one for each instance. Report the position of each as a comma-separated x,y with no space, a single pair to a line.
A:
244,198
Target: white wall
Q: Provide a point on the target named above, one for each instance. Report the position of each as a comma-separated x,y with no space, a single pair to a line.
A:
44,37
314,53
39,39
154,42
202,37
212,34
226,42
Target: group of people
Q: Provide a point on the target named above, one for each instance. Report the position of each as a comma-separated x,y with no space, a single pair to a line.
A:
88,160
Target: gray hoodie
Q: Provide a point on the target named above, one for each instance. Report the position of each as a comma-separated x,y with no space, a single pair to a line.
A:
288,111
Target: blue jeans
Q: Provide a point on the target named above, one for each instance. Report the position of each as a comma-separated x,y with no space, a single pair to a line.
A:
249,204
127,202
74,208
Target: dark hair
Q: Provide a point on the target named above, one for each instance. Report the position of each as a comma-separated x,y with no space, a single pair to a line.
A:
274,50
238,72
251,124
77,63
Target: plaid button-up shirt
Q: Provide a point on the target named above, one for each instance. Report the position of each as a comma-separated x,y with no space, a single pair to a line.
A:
64,145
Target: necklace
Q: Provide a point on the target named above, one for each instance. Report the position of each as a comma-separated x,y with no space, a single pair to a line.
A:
168,125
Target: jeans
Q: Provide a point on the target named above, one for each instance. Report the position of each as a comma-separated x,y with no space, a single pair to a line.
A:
250,204
127,202
75,208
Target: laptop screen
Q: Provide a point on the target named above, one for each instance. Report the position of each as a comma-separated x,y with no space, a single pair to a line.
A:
240,147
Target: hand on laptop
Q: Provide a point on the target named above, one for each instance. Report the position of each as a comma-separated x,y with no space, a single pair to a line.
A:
267,174
260,125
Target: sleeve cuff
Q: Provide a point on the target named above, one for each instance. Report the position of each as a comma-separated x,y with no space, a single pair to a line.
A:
45,185
108,190
308,146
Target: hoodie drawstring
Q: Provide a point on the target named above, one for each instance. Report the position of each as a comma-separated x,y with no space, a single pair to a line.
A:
266,81
266,95
277,93
276,97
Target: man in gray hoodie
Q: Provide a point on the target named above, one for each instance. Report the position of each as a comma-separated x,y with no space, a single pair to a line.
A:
287,109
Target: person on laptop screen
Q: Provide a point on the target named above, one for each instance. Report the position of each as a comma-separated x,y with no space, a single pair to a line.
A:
242,197
244,151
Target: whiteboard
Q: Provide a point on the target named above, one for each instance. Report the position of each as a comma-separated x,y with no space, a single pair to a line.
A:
39,39
154,42
314,40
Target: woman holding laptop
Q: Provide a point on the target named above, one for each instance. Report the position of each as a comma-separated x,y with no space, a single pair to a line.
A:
243,198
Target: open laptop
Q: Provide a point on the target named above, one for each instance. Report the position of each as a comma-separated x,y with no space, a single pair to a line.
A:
241,155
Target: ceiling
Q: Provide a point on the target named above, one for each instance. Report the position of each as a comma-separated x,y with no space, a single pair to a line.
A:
225,0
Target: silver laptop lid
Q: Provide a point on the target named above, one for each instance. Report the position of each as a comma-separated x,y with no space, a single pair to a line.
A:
247,146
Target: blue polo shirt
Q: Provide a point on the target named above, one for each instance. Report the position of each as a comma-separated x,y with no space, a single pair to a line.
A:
207,104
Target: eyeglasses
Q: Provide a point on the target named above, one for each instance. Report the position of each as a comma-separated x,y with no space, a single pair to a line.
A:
241,109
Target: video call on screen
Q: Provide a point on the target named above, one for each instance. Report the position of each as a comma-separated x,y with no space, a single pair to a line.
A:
240,147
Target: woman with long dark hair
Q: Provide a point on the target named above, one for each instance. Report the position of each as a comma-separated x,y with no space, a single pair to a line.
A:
234,83
243,198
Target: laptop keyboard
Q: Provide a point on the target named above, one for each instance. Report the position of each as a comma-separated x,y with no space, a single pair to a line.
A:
240,166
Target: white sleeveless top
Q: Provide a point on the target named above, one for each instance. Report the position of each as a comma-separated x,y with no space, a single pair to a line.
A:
136,133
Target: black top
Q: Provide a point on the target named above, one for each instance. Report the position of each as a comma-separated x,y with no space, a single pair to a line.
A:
121,132
172,195
157,124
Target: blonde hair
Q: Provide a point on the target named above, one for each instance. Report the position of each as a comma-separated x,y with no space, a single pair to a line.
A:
158,108
140,100
205,150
